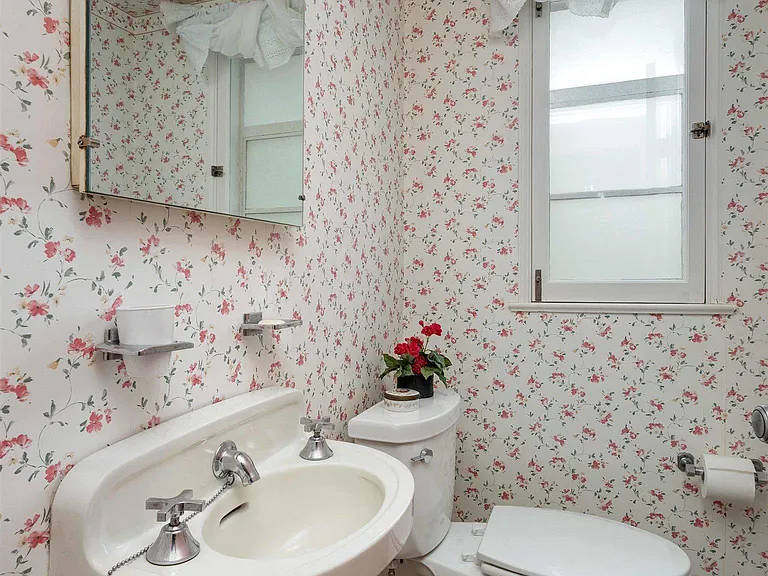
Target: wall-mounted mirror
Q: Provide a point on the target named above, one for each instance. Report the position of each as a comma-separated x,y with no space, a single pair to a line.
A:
197,105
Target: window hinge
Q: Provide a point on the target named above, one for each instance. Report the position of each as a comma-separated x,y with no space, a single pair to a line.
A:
539,9
537,286
217,171
88,142
701,130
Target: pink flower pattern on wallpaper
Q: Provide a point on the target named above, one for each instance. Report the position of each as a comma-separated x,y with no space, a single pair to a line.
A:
576,411
69,262
150,111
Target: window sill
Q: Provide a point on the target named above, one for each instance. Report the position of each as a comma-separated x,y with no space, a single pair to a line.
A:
624,308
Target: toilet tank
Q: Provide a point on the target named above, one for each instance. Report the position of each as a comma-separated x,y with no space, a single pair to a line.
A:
405,435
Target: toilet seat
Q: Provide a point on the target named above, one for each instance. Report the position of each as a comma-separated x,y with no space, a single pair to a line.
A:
542,542
520,541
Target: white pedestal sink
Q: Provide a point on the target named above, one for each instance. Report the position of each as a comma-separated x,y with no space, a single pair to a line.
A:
346,516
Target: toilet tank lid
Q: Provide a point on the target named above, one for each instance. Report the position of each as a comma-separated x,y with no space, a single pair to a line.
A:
541,542
435,415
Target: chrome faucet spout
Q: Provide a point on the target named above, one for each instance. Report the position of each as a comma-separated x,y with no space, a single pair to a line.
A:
229,460
246,469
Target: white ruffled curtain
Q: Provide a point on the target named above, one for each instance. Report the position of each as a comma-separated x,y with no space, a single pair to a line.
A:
503,12
265,31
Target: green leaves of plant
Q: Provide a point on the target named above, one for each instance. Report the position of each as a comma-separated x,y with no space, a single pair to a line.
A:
404,365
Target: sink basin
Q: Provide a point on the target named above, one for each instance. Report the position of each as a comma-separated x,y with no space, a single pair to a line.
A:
294,512
346,516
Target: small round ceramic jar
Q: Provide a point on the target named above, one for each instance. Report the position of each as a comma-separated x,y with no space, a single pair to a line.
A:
401,400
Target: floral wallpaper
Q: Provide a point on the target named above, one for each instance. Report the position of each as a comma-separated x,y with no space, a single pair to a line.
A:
149,109
582,412
576,411
67,262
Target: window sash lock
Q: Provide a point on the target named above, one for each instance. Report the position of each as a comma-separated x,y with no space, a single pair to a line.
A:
700,130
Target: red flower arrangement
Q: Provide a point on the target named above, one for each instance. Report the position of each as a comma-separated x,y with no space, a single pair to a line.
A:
415,358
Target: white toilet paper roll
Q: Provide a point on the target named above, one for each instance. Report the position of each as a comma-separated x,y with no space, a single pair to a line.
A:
728,479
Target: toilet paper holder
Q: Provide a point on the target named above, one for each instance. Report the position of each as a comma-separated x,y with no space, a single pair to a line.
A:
686,463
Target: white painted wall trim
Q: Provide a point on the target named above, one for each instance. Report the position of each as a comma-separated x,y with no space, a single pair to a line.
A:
524,157
714,217
624,308
217,72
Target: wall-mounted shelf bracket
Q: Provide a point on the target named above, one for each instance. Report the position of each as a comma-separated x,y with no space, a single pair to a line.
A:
112,349
254,324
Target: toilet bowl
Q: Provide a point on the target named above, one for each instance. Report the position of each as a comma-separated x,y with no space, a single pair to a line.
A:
517,540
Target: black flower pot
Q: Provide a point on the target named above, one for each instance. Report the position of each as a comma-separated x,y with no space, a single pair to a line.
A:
423,386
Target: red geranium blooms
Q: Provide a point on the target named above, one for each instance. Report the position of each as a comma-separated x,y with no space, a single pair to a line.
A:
416,358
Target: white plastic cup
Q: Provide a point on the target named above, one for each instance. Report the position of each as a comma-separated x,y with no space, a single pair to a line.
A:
146,325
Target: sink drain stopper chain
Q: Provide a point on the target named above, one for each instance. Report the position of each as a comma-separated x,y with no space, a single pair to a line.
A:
229,481
128,560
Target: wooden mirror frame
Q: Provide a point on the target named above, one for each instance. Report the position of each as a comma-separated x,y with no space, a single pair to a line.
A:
78,20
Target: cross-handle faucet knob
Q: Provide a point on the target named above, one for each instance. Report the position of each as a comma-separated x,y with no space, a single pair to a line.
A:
174,508
317,425
317,448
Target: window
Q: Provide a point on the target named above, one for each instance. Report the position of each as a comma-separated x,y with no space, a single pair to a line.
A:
268,139
618,199
257,119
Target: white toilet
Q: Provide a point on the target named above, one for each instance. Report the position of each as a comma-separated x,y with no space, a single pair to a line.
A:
516,541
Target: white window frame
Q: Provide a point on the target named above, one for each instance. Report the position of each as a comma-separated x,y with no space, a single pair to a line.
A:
218,91
700,292
230,144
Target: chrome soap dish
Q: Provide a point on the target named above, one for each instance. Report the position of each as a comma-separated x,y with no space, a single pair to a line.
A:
254,324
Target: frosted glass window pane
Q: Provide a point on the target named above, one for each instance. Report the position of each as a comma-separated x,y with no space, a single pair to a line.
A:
614,239
626,145
274,175
640,39
272,96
